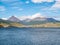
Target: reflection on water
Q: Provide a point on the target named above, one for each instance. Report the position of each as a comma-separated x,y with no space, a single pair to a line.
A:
29,36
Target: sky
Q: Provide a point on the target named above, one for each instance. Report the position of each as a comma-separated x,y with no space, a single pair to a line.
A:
27,8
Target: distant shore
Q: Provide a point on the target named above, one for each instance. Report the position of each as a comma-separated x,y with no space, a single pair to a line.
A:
33,27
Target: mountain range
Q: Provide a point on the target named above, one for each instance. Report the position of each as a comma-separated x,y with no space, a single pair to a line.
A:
39,20
14,21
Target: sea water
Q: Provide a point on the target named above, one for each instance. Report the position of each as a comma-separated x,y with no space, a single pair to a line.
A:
29,36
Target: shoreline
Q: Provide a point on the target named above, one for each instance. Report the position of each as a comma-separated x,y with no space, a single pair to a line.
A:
34,27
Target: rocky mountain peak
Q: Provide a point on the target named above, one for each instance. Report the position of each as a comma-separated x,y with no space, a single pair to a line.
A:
14,19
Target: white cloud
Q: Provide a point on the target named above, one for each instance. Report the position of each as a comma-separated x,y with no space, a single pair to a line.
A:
4,18
37,15
25,17
57,19
2,8
56,5
40,1
57,0
32,16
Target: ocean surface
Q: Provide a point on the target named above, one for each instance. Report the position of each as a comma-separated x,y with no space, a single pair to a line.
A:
29,36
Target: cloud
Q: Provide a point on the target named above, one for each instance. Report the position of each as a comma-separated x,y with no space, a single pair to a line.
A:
2,8
40,1
55,8
4,18
37,15
56,5
57,0
32,16
57,19
24,17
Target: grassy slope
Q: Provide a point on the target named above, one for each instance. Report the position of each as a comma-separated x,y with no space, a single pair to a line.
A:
5,23
35,24
57,24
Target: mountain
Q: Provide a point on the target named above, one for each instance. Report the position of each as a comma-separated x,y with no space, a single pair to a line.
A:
51,20
14,19
39,20
6,23
34,21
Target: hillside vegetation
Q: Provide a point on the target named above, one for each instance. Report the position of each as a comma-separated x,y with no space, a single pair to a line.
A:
6,23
